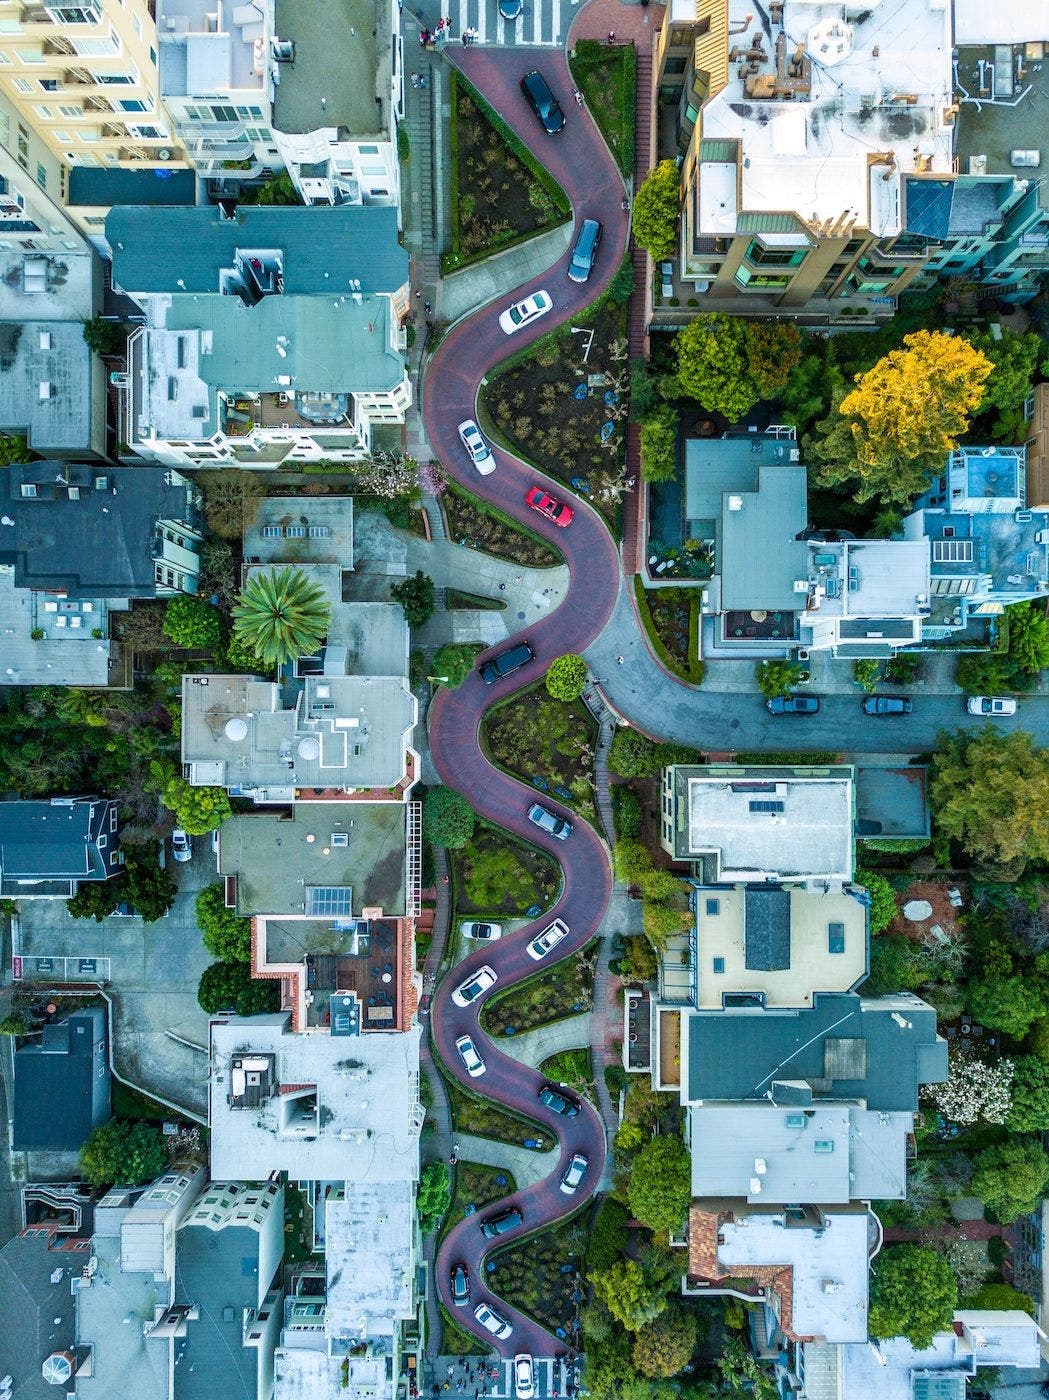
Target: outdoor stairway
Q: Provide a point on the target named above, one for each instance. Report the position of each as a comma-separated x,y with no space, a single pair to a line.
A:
638,311
435,515
428,223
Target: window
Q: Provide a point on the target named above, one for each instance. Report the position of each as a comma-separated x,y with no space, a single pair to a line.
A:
952,551
71,111
713,906
369,150
224,114
23,85
116,79
103,842
74,14
774,257
133,104
719,965
44,112
138,25
674,66
31,56
94,48
41,176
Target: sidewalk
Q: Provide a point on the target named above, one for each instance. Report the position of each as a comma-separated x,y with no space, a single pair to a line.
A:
533,1047
525,1166
500,274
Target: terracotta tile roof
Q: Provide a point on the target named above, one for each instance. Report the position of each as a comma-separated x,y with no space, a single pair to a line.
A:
703,1263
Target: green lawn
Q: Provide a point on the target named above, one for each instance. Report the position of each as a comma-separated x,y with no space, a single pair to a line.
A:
541,1275
131,1103
606,75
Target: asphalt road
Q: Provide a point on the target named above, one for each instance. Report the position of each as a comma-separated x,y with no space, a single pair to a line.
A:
577,158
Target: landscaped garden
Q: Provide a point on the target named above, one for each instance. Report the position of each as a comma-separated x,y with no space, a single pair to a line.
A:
500,193
566,413
606,75
543,1276
671,619
549,743
496,874
573,1068
298,1226
476,1186
482,1118
477,525
564,990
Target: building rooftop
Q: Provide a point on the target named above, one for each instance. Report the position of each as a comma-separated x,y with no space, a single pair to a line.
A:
62,657
766,824
782,944
98,188
879,1052
988,132
875,579
125,1361
821,1156
45,287
272,538
54,839
822,149
333,1117
1000,548
280,862
51,386
301,1373
759,554
325,250
344,36
370,1285
197,59
714,467
62,1084
88,531
36,1307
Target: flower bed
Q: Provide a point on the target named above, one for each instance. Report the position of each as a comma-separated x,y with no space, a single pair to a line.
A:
546,741
564,990
496,874
479,526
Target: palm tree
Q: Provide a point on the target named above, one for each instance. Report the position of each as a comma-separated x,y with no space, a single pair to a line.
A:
281,615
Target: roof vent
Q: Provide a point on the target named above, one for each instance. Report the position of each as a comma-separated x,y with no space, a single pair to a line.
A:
339,838
735,503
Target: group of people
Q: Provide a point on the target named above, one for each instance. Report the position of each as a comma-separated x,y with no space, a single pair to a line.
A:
428,38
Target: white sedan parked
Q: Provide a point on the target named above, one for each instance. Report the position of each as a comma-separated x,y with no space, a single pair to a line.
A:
473,440
991,705
523,313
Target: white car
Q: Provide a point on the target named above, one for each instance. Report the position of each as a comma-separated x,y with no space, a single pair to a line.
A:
574,1173
523,313
492,1321
481,933
524,1377
469,1056
549,938
181,845
473,440
991,705
474,986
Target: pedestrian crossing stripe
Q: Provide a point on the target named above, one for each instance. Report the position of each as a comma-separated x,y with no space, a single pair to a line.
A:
538,26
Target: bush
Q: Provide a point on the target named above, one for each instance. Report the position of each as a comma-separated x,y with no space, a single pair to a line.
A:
123,1153
435,1195
1011,1177
656,206
895,966
628,813
659,445
634,755
777,678
660,1186
1000,1297
416,597
226,986
621,288
107,338
903,668
227,935
883,907
192,623
866,674
608,1238
448,819
566,677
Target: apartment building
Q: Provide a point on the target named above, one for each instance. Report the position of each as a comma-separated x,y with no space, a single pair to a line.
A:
31,183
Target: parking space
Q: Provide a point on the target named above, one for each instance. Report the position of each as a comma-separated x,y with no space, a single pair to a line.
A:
150,971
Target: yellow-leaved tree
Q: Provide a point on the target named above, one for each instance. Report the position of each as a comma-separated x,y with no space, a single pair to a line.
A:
904,416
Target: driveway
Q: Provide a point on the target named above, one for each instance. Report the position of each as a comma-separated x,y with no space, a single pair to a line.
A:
153,970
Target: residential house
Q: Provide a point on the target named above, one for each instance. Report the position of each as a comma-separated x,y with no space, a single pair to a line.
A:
39,1271
77,543
866,598
62,1084
273,336
989,549
48,848
52,388
31,190
92,191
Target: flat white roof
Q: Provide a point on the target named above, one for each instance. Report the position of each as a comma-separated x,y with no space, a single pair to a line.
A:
791,828
1007,22
718,203
829,1267
883,88
875,578
368,1246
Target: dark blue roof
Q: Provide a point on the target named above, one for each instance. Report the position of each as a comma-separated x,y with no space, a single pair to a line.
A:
927,207
62,1084
108,187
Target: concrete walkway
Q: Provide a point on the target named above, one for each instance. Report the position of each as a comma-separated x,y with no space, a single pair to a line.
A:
497,276
525,1166
533,1047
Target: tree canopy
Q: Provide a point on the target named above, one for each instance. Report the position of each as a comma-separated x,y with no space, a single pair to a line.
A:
281,614
664,1345
227,935
633,755
198,810
883,906
192,622
632,1297
913,1294
435,1194
232,497
712,365
448,819
659,444
123,1153
1029,1109
226,985
778,677
990,792
1011,1177
655,214
1006,997
566,677
660,1185
416,597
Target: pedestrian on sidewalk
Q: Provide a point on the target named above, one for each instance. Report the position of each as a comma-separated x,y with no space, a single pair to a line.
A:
428,308
415,80
611,36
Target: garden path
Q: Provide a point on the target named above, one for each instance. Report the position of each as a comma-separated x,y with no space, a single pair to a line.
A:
533,1047
525,1166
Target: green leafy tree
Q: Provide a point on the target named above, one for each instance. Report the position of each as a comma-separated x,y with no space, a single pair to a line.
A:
983,673
866,673
566,678
656,206
226,985
883,906
659,444
629,1295
123,1153
913,1294
147,887
628,813
1004,997
1037,1040
1014,362
278,189
778,677
192,622
416,597
453,663
1001,1297
773,351
281,614
712,365
198,810
448,819
1028,637
232,498
96,899
639,962
1029,1109
107,338
227,935
634,755
1011,1177
661,1183
435,1195
609,1236
13,450
621,287
665,1345
741,1375
990,792
895,966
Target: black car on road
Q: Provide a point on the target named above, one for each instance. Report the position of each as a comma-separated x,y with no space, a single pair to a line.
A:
543,102
793,705
550,1098
887,705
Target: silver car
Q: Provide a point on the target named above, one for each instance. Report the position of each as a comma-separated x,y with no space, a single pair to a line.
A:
473,440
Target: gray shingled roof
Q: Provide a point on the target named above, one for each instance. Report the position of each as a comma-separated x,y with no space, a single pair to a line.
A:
59,1094
36,1314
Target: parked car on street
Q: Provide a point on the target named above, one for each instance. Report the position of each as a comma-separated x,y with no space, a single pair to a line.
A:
991,705
181,845
496,667
524,1377
460,1285
547,505
573,1174
471,1059
481,933
473,440
553,1099
492,1321
501,1224
887,705
584,254
549,938
474,986
543,102
793,705
546,821
523,313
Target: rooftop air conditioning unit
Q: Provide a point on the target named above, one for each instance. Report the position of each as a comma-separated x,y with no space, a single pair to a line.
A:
339,838
801,585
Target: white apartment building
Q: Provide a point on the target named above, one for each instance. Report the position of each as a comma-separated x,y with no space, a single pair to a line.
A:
31,179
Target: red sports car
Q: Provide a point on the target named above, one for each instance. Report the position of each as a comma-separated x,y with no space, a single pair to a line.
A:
556,511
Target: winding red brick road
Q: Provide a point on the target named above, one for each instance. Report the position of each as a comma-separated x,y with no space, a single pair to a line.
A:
579,160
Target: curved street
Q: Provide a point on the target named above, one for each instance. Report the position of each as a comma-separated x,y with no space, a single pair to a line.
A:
579,160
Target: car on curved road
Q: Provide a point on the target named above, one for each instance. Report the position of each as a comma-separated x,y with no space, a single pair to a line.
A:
460,1285
481,933
543,102
550,1098
504,663
573,1174
991,705
549,938
547,505
474,986
492,1321
793,705
469,1056
524,1377
546,821
500,1224
475,443
523,313
887,705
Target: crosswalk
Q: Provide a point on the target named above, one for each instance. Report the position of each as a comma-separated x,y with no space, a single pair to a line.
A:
542,22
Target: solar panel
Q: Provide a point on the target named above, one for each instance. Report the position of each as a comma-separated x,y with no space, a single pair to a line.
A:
328,901
761,805
319,532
